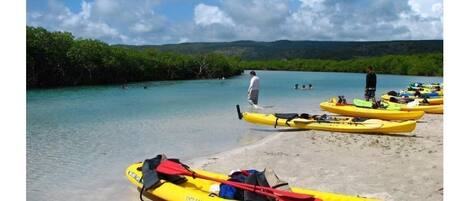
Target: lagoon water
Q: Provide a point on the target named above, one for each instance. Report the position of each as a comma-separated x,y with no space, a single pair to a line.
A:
81,139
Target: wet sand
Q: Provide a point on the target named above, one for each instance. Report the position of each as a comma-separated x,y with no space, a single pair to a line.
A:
379,166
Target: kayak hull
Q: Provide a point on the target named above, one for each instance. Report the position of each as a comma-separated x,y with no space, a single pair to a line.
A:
344,124
432,109
435,111
351,110
198,189
431,101
426,91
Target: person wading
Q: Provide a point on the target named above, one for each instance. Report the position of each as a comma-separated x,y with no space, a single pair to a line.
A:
370,87
253,90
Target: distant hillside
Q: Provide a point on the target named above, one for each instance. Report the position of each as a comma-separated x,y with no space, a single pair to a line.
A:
284,49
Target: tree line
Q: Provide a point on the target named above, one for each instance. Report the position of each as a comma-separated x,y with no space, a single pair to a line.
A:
286,49
430,64
59,59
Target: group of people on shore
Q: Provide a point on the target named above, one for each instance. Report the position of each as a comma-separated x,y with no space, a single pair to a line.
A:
370,86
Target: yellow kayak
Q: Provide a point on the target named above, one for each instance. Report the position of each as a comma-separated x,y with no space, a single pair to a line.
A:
198,189
424,91
438,88
354,111
332,123
432,101
432,109
427,88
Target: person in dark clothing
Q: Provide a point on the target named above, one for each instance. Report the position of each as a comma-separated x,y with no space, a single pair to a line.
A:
417,93
370,87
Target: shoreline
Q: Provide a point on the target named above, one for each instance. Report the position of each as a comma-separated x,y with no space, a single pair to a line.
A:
378,166
387,74
178,80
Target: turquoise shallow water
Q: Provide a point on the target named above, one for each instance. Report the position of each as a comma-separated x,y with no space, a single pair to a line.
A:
80,139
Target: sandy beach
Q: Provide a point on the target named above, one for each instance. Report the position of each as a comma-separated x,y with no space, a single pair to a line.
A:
378,166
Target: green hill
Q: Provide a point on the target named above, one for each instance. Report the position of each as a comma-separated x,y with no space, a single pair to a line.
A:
284,49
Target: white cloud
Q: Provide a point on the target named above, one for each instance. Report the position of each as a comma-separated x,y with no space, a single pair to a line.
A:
106,7
415,5
437,8
59,17
35,15
142,28
183,40
425,8
136,22
114,21
362,20
321,20
85,10
311,3
257,12
207,15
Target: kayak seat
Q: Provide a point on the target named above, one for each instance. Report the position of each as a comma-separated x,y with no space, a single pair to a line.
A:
152,179
287,116
322,118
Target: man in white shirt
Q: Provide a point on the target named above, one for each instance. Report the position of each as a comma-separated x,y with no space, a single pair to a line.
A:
253,91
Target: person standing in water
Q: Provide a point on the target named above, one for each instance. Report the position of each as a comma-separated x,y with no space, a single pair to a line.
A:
253,90
370,87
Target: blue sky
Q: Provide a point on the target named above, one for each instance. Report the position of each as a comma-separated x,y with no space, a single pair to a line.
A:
176,21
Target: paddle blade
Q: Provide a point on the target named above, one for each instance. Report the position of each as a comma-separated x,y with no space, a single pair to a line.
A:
172,168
